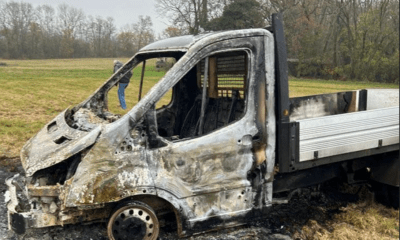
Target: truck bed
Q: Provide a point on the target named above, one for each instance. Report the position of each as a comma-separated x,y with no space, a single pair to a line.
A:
346,122
351,132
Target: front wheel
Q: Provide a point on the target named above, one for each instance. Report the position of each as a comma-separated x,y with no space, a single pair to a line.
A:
133,220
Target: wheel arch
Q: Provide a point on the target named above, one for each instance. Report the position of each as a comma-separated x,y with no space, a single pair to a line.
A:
163,201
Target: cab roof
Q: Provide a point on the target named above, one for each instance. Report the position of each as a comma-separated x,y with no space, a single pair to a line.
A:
183,43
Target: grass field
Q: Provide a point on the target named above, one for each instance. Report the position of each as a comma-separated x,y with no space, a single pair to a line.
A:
35,91
32,92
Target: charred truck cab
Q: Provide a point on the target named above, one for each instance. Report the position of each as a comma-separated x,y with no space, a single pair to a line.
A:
229,140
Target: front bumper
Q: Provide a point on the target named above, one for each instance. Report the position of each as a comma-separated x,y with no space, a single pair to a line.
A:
41,206
21,214
20,222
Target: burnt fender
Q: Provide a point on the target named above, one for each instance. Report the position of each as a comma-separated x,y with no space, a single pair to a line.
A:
101,178
109,174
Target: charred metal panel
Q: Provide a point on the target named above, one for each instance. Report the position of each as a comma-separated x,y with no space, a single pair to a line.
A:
207,170
362,103
298,179
113,169
235,200
270,123
282,94
46,149
281,70
45,191
199,170
319,105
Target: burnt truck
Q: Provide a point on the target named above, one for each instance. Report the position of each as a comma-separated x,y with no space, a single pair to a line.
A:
228,146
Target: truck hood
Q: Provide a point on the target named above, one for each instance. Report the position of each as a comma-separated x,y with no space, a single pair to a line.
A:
54,143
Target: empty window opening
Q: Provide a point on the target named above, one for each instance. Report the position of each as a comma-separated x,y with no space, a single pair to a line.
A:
224,101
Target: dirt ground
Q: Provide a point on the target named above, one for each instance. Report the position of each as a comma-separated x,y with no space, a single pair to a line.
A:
283,222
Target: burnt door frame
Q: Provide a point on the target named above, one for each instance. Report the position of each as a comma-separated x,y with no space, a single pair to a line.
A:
210,172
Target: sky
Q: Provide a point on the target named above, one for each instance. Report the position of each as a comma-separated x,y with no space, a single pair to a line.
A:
123,12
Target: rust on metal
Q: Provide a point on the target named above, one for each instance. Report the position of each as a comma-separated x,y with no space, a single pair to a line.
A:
45,191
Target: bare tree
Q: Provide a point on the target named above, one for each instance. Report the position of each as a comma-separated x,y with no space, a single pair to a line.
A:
46,18
126,41
172,32
70,18
144,31
16,19
191,14
134,36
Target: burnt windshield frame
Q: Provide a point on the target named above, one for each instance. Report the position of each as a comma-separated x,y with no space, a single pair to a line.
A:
97,101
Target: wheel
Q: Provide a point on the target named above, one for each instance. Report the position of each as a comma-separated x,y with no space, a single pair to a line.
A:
133,220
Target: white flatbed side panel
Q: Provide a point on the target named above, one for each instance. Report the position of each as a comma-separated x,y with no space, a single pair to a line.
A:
346,133
382,98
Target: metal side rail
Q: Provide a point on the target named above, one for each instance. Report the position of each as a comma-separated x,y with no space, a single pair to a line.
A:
351,132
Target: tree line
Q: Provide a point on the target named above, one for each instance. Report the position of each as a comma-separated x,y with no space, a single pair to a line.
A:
344,39
28,32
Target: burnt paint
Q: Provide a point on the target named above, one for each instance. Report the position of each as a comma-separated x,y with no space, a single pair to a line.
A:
198,172
319,105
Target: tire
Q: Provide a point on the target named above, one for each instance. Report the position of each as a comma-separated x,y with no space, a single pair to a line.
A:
133,220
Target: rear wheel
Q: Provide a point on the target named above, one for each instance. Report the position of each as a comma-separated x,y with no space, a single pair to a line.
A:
133,220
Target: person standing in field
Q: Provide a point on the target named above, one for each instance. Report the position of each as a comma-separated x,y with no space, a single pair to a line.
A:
122,84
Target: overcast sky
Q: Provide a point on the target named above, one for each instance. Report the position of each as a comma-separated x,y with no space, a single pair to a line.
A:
123,12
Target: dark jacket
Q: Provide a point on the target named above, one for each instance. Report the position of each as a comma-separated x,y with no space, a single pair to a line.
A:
127,76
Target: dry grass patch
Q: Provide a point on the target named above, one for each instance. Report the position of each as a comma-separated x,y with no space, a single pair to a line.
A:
361,220
357,221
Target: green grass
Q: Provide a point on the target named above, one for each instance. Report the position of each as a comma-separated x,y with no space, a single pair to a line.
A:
303,87
35,91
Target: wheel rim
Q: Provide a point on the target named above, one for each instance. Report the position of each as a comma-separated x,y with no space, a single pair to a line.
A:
133,222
